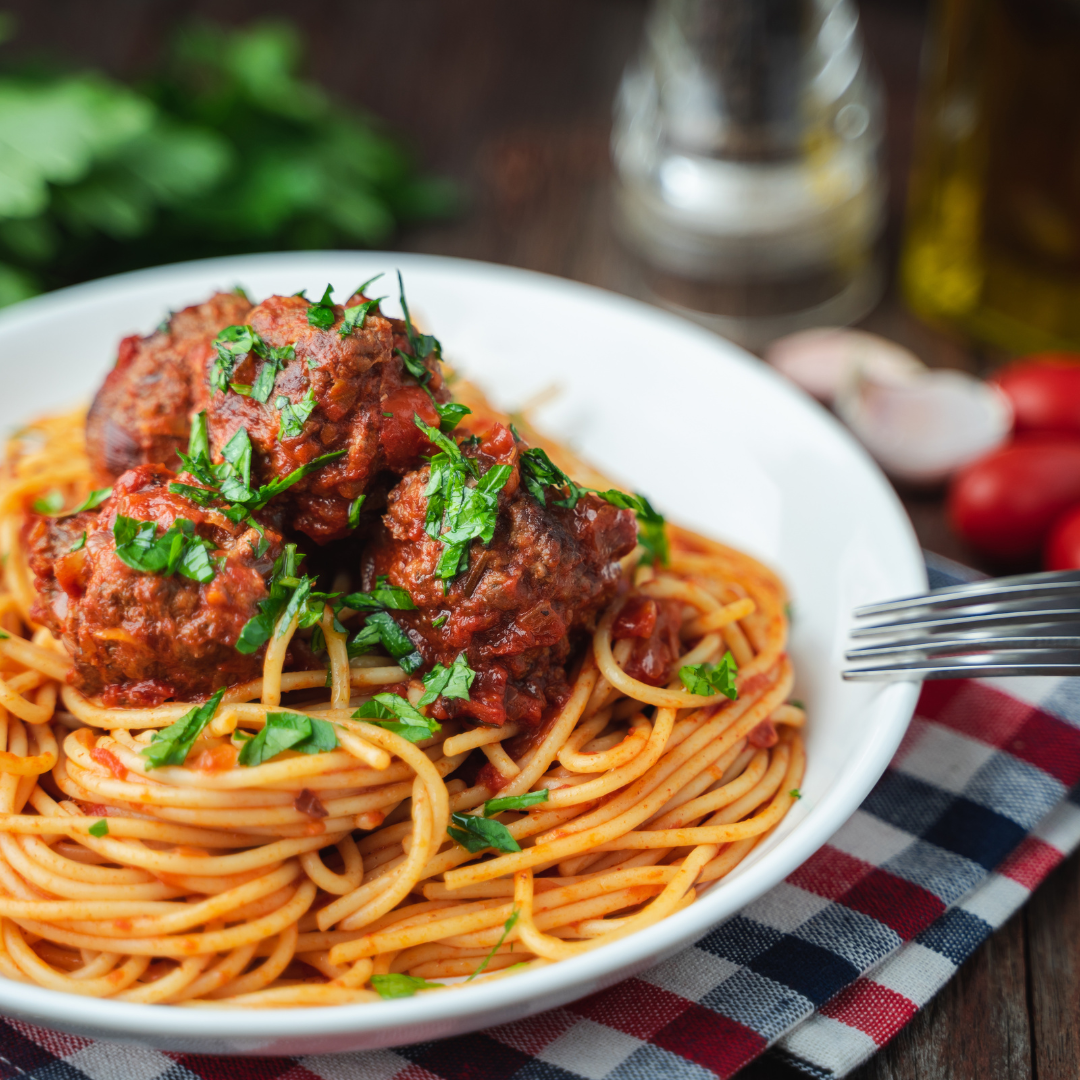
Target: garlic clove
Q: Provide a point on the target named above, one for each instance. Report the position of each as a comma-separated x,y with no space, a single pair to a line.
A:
825,360
922,427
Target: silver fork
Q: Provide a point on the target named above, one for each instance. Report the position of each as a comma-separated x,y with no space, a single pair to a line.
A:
1023,625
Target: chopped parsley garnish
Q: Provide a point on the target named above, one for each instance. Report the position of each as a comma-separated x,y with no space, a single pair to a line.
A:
515,802
354,510
440,621
231,346
397,985
397,715
294,414
458,513
92,501
708,679
51,503
170,745
178,550
451,415
798,703
290,594
79,544
99,828
355,316
274,361
477,833
321,315
380,629
422,345
231,480
507,927
795,793
454,681
539,472
288,731
361,290
383,596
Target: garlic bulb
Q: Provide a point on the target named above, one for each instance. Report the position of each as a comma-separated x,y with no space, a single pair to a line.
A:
825,360
924,425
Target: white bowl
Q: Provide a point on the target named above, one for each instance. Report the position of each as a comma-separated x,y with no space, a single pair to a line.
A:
715,438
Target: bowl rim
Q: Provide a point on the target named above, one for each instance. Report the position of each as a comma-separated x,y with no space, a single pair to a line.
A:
556,983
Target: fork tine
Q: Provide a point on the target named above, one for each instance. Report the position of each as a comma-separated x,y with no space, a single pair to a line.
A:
923,627
981,592
934,647
979,665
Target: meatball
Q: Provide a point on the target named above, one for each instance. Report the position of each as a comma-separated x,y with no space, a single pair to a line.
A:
307,390
521,600
142,413
138,638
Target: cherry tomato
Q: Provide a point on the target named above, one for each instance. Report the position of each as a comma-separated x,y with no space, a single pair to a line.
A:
1062,551
1005,503
1044,391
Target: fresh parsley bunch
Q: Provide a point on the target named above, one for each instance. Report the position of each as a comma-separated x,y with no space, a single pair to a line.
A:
227,150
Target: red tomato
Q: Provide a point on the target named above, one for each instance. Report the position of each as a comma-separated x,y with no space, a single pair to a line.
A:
1006,502
1044,391
1062,551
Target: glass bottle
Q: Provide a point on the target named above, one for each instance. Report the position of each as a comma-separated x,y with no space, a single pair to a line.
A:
746,146
992,244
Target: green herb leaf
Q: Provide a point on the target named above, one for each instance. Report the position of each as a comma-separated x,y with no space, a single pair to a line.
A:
451,415
79,544
170,745
380,629
177,550
355,316
476,833
230,346
515,802
439,621
99,828
708,679
539,472
92,501
798,703
361,290
396,714
396,985
294,415
458,513
288,731
795,793
50,504
507,927
454,681
321,315
383,596
422,345
354,510
275,360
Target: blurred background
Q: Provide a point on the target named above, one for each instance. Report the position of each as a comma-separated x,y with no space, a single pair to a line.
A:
775,169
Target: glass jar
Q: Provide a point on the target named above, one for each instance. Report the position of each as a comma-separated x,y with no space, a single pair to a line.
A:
746,145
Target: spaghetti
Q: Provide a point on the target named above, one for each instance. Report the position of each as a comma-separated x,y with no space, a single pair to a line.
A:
329,878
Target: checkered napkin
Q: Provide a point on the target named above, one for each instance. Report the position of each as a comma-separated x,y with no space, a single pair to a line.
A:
976,808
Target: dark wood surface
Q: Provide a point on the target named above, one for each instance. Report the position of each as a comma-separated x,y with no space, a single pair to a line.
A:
514,101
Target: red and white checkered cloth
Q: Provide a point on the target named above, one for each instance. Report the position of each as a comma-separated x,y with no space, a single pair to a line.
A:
978,805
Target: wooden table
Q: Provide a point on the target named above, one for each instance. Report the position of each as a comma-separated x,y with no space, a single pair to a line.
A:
514,100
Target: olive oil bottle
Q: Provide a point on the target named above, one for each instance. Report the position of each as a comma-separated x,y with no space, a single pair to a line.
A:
992,244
